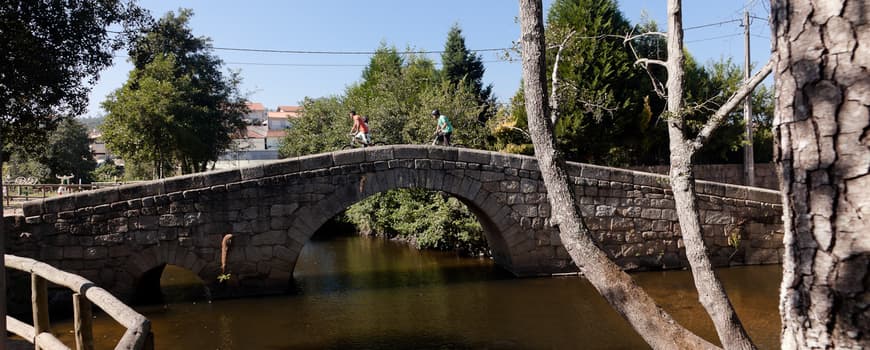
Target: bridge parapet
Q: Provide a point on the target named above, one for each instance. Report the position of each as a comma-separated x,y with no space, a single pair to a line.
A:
117,235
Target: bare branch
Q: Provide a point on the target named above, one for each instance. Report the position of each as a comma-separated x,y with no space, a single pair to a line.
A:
658,87
648,61
641,35
554,98
716,120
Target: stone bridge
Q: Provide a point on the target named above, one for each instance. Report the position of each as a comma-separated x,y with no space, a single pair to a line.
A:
122,237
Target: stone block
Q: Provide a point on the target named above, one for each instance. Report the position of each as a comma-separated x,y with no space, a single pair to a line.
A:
622,224
717,217
410,152
58,204
181,183
73,252
501,161
509,186
248,173
474,156
32,208
737,192
630,212
379,154
604,210
530,164
651,213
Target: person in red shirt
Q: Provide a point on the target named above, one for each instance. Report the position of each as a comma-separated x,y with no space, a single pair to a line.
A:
360,129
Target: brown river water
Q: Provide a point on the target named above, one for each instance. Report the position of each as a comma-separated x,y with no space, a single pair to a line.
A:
365,293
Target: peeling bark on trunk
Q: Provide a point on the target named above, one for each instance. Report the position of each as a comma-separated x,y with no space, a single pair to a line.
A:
822,133
657,328
711,293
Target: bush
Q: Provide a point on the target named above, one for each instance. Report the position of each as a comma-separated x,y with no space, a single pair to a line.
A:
429,220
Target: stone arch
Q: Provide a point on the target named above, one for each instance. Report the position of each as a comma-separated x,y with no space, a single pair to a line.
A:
499,225
145,268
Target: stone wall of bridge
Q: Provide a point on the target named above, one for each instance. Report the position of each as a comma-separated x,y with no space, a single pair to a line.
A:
119,237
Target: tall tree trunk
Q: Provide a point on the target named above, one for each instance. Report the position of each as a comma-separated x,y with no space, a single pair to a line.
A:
657,328
3,286
822,133
711,293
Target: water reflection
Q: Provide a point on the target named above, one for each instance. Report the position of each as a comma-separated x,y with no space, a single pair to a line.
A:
358,293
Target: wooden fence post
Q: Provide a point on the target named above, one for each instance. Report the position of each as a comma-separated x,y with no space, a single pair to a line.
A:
39,303
84,331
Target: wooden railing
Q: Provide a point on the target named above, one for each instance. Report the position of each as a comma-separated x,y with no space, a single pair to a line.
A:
24,192
138,335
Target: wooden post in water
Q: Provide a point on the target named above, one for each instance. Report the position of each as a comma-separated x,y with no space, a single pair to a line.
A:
83,322
39,303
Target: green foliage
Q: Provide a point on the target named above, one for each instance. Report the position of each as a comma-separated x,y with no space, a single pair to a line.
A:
608,110
462,67
108,172
68,151
508,128
65,152
176,109
22,166
602,94
431,220
52,52
398,93
708,88
224,277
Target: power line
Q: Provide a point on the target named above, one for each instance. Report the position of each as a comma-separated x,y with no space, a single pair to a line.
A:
344,52
325,65
711,24
713,38
320,64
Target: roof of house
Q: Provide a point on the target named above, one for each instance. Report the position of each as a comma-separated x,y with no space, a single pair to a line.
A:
281,115
291,109
255,106
276,133
256,132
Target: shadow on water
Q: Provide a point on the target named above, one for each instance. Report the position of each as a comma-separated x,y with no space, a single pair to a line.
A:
346,282
412,341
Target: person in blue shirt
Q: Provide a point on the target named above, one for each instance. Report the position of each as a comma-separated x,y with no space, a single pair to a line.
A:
443,129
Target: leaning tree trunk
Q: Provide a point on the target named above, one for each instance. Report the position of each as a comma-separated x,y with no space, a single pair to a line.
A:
656,327
822,133
711,293
3,285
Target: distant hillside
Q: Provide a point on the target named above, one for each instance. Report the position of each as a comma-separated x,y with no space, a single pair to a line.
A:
92,123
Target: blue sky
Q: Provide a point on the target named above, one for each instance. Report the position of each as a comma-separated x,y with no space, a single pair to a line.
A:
349,25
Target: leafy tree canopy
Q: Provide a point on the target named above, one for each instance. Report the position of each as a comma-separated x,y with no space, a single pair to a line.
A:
53,51
177,108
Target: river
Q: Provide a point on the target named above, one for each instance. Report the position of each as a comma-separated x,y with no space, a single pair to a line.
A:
365,293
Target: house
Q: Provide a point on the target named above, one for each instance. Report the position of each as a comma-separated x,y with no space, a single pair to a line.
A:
295,111
256,113
278,120
283,117
98,147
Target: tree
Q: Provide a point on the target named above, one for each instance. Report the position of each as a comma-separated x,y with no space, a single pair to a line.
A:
823,155
140,120
627,298
461,66
597,94
397,93
53,51
68,151
177,104
686,139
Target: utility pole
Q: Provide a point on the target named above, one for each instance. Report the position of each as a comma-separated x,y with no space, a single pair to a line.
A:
748,156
